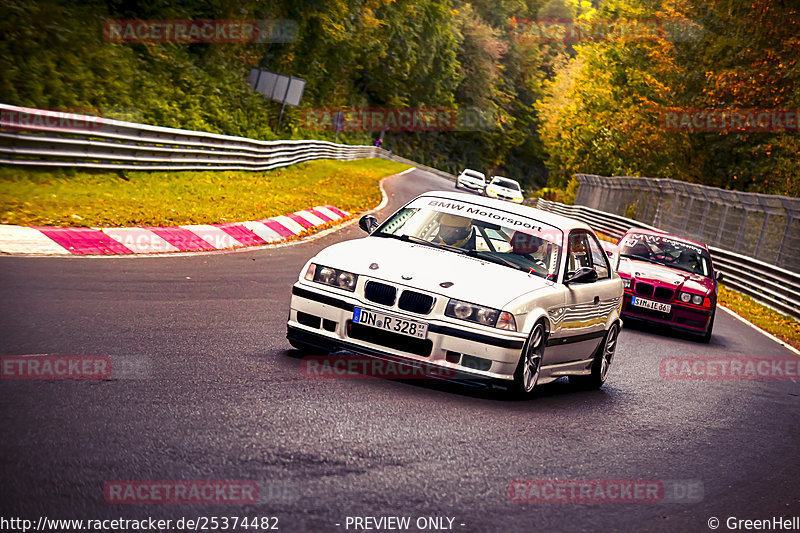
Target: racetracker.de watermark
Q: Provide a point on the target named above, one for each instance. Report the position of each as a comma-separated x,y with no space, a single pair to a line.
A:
580,30
398,119
80,367
55,367
201,31
605,491
731,120
730,368
51,119
362,367
181,492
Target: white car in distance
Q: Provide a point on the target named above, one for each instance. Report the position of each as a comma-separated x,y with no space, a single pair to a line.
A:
471,179
505,189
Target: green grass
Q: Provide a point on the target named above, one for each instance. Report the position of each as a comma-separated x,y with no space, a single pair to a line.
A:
784,327
110,199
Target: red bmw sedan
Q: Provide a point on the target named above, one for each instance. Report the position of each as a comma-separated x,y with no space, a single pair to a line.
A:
668,280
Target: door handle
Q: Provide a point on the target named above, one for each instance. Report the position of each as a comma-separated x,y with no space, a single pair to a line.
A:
596,300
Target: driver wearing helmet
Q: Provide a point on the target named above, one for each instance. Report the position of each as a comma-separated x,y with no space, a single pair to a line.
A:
455,231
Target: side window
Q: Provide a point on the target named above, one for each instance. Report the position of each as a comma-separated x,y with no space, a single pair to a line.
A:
585,251
578,255
599,261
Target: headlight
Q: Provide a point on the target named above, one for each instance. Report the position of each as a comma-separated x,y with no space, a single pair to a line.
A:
696,299
331,276
482,315
490,192
626,283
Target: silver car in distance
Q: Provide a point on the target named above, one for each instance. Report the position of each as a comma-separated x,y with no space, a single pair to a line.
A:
471,289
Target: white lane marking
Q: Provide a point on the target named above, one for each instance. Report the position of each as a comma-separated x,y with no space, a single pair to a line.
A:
289,224
140,241
24,240
771,336
310,217
384,195
213,236
263,231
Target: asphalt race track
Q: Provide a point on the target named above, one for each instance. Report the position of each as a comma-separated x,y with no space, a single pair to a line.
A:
216,393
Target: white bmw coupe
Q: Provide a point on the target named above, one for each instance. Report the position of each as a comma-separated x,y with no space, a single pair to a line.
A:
470,288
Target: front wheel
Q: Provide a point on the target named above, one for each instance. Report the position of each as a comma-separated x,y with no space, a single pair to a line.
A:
530,362
706,338
602,361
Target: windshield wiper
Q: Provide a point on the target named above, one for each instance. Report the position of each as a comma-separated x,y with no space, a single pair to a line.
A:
640,258
417,240
480,254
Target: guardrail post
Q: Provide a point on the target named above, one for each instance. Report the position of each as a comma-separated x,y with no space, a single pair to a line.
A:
722,224
761,235
782,247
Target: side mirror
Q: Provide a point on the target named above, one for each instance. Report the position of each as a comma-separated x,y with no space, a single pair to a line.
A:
368,223
718,276
582,275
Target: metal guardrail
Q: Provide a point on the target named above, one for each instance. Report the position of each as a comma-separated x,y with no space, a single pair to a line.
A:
763,226
767,284
40,137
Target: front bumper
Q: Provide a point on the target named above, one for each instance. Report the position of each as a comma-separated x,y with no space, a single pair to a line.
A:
681,317
434,372
473,186
500,196
323,319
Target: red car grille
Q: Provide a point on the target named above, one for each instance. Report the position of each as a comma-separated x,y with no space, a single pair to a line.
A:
664,293
646,289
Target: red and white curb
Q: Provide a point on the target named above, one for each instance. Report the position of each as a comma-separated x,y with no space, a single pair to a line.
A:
148,240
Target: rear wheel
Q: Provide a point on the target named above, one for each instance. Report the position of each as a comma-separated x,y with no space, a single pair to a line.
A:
603,358
530,362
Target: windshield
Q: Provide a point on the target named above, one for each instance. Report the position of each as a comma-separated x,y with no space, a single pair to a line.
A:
508,184
497,236
664,250
474,174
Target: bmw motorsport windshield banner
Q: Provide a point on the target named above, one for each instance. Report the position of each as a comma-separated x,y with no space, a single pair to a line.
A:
490,215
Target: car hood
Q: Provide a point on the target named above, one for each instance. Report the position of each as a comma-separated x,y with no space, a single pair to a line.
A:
666,276
473,280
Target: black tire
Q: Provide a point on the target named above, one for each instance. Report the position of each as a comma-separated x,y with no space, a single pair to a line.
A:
603,357
706,338
530,362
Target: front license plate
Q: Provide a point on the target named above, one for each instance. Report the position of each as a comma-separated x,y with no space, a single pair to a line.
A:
412,328
650,304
